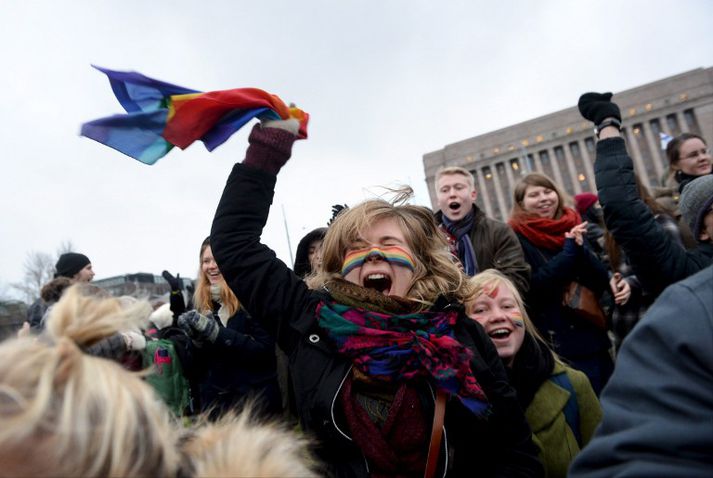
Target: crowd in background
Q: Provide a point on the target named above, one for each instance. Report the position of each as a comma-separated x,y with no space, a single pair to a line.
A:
404,342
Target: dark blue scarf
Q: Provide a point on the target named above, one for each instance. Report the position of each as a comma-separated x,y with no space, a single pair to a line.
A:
460,231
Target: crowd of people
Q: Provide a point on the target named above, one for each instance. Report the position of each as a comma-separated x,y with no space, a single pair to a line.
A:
573,340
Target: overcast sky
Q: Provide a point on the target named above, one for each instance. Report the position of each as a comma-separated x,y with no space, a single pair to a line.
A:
384,81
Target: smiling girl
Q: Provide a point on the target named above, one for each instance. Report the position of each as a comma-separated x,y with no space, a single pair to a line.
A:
551,235
234,359
559,402
378,342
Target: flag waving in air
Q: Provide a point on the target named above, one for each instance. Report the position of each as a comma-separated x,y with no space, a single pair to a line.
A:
160,116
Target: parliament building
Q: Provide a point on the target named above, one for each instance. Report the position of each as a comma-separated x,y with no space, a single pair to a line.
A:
562,144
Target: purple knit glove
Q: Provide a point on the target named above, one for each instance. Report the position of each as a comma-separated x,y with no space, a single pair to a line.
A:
270,147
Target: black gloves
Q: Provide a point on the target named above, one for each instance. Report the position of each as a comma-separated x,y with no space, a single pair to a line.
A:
598,106
175,282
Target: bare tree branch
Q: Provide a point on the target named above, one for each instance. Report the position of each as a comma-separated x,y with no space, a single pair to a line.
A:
38,270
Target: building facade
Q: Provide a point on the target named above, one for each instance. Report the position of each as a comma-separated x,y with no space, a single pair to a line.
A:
142,285
562,144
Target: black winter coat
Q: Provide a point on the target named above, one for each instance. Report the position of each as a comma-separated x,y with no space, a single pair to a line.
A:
240,364
656,260
570,336
498,446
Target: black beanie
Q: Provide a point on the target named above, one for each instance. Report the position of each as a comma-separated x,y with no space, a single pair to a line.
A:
70,263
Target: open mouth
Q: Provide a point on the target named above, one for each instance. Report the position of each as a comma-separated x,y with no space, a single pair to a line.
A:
378,282
454,205
499,334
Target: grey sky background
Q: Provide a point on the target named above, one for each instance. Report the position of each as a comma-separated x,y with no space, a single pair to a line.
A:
384,82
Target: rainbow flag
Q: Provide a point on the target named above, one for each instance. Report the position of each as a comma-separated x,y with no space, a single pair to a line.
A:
160,115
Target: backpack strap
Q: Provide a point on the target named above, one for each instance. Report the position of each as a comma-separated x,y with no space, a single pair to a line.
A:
434,447
571,408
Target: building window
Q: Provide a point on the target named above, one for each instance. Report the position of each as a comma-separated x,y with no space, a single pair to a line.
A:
647,156
672,123
478,197
564,169
579,167
655,127
546,164
515,166
589,144
490,191
691,122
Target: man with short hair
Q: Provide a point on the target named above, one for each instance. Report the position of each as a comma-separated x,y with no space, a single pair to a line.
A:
71,265
479,241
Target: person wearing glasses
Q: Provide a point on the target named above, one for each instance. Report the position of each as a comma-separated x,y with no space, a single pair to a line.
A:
688,158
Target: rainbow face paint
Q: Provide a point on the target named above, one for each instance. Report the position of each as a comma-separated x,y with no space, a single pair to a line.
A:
516,319
392,254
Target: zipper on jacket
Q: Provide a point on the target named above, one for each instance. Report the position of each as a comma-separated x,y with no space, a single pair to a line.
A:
334,421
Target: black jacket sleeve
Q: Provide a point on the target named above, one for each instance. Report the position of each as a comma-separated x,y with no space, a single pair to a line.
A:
656,259
251,342
263,283
509,439
550,276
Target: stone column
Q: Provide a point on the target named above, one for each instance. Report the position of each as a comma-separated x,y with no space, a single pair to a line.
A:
572,169
555,167
632,147
588,162
654,147
502,205
483,193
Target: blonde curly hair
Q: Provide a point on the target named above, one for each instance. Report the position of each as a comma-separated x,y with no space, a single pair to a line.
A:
435,272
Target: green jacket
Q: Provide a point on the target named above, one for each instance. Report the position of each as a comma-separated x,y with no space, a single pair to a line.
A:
553,437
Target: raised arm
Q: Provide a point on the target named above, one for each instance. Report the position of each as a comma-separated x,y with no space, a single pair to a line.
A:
656,259
267,288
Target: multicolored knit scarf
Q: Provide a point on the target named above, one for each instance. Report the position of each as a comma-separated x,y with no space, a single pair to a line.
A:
544,232
393,347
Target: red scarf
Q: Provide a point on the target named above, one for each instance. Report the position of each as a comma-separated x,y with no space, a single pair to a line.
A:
544,232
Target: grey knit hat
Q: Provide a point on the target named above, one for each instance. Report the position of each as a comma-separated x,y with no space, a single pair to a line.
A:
696,199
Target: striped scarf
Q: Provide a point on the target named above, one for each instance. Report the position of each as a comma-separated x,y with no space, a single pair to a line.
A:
390,348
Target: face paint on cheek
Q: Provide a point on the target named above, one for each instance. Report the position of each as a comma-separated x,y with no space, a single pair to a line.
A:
353,260
396,255
517,320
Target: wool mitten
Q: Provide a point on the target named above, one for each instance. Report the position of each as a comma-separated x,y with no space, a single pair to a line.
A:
204,327
596,107
271,145
134,340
